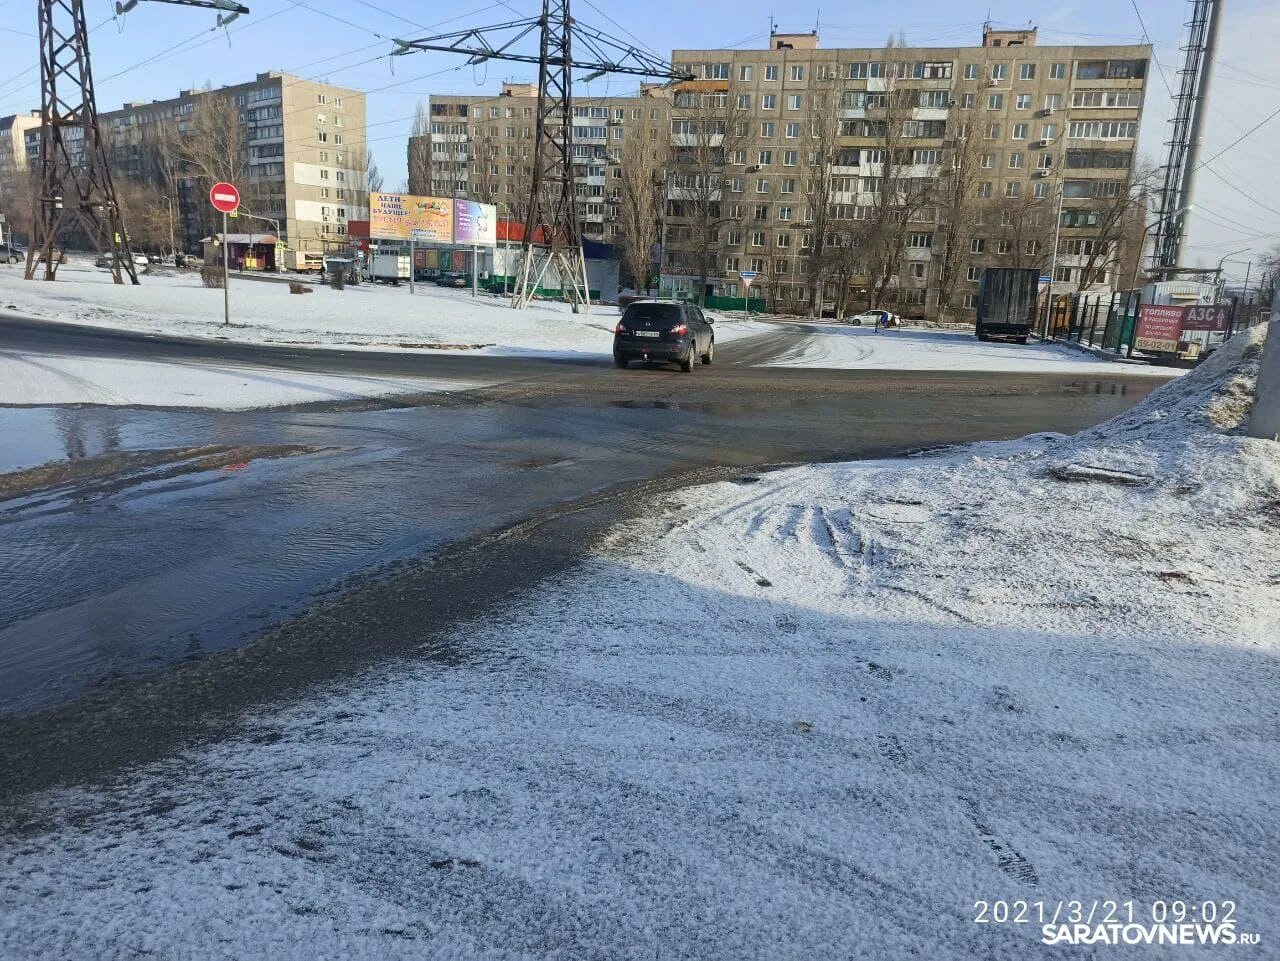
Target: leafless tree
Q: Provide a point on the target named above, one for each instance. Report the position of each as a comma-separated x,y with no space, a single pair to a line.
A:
957,204
1023,229
819,183
640,201
212,149
419,156
707,126
1110,221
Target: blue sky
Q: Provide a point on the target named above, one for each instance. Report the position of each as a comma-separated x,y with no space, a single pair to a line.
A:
157,50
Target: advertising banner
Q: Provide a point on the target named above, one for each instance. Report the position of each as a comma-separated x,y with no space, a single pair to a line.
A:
1159,327
1212,317
475,224
409,217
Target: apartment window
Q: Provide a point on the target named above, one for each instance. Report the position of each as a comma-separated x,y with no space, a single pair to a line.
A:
1048,131
767,128
789,186
1013,188
324,156
967,101
732,264
1063,275
794,101
768,101
765,158
744,73
337,139
761,212
320,119
934,98
324,174
324,193
320,98
977,245
917,269
1057,71
1020,131
971,71
757,238
970,301
1004,247
984,190
735,238
999,71
995,101
1107,98
738,158
793,131
757,264
993,131
1045,162
1101,130
920,241
1052,102
322,137
783,240
1023,102
735,211
784,212
973,274
987,161
719,71
762,185
789,158
744,101
770,73
1015,161
930,157
1027,71
797,72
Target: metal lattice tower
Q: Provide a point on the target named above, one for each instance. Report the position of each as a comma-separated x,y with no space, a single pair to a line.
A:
1190,105
75,180
553,211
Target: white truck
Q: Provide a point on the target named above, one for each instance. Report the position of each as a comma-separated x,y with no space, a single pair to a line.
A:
389,265
303,261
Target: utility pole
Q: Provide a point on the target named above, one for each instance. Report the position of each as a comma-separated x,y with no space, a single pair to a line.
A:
553,209
1191,104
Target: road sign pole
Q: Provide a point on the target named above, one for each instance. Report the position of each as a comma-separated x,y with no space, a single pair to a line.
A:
475,270
413,265
226,274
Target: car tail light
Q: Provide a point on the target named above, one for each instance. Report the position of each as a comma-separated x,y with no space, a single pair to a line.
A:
679,330
620,329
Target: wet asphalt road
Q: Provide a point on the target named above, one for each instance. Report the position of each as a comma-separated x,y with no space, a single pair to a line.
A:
379,536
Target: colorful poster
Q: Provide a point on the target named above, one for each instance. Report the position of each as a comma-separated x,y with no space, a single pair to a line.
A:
409,217
475,224
1159,327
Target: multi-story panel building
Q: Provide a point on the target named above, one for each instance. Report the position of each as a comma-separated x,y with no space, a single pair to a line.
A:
13,151
301,146
482,148
1044,129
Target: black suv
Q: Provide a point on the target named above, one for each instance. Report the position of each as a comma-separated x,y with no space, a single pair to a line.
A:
664,331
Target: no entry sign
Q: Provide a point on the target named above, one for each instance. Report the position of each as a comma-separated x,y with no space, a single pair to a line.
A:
224,197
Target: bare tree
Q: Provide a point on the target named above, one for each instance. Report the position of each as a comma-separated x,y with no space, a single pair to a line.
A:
707,126
212,149
825,100
1108,218
1023,231
372,175
420,152
640,201
956,200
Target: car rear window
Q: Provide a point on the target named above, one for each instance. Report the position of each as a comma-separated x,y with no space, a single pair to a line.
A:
663,313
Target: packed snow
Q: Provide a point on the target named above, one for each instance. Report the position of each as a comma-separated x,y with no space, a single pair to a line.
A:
847,347
365,316
816,713
33,379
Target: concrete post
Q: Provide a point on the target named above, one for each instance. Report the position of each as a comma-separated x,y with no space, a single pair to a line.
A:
1265,419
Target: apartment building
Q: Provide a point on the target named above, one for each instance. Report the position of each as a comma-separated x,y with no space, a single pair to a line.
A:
1049,127
13,151
302,146
482,147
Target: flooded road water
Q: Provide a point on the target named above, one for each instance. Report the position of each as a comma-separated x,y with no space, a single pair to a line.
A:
148,566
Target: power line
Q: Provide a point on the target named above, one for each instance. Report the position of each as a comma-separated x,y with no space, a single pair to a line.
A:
1146,36
1248,133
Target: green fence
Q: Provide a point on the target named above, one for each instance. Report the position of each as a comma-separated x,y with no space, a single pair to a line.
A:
756,304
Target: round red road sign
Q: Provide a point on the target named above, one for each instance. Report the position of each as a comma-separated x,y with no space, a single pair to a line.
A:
224,197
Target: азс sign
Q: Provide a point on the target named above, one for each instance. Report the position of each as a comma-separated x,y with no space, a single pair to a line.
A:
1159,327
1214,317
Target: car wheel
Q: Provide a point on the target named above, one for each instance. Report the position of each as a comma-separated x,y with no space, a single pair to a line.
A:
619,362
857,322
710,355
1022,340
686,365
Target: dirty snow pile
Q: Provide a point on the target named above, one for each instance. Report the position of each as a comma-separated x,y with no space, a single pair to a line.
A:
815,714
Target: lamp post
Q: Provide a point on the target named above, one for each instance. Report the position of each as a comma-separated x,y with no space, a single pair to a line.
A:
173,247
1217,274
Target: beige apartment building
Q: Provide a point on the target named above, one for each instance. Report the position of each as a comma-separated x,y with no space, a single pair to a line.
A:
482,147
1043,127
303,157
13,150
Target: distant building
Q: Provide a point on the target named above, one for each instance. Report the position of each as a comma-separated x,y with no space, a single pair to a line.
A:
306,150
13,151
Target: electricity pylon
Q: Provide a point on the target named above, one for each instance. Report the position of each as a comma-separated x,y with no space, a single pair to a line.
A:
75,177
553,211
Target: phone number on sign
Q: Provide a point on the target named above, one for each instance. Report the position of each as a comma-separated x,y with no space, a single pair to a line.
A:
1120,922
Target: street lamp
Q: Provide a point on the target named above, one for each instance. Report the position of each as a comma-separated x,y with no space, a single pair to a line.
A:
1137,263
1218,273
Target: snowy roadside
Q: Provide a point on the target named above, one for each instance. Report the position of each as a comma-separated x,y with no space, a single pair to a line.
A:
840,346
818,713
363,317
30,379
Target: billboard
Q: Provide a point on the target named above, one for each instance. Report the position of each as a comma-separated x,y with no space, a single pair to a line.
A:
475,224
409,217
1159,327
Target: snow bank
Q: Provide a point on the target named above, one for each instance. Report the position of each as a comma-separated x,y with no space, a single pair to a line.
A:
812,714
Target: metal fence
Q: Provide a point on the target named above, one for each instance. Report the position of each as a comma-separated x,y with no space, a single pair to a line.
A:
1109,322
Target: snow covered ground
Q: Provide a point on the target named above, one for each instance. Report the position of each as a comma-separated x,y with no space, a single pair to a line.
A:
371,316
857,348
31,379
815,714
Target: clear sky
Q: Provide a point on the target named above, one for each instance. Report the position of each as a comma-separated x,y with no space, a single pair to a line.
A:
157,49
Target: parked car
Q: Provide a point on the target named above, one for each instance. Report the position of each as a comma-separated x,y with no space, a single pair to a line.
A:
106,260
12,254
59,256
665,331
876,318
451,279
